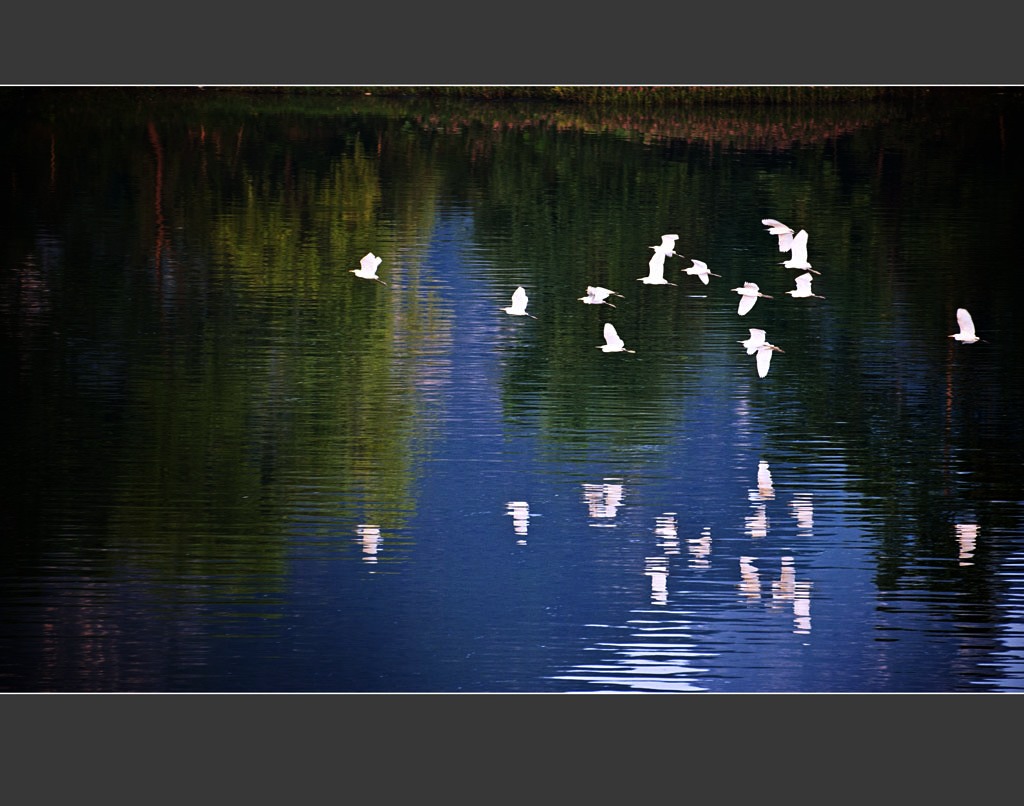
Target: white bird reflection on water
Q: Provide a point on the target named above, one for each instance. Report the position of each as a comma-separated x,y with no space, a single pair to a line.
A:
603,501
757,522
666,528
520,512
967,537
700,550
657,569
786,589
765,488
369,539
803,510
750,578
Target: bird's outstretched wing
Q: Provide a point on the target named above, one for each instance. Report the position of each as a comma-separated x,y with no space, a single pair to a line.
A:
963,318
369,263
756,340
775,227
799,249
778,228
611,337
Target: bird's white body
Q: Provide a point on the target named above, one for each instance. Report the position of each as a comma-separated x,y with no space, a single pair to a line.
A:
764,357
784,233
612,342
700,269
655,269
803,286
519,301
368,268
798,253
756,340
967,333
749,293
596,295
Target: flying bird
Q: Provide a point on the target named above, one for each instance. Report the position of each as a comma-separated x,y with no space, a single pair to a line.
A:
798,253
368,268
612,342
756,340
967,333
700,269
518,306
667,246
803,287
596,295
764,357
748,296
778,228
757,344
656,269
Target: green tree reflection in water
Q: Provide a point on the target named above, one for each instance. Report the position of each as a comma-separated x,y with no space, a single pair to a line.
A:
236,433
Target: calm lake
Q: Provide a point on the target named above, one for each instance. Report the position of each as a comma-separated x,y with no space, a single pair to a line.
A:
233,465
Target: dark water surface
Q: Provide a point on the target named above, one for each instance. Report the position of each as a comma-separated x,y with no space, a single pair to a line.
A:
232,465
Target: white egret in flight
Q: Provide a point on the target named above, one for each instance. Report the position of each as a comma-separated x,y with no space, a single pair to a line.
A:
667,246
596,295
764,357
798,253
756,340
612,342
518,306
655,269
966,334
368,268
803,286
700,269
778,228
748,296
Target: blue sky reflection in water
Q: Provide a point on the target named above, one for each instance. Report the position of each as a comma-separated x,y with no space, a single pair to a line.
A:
238,467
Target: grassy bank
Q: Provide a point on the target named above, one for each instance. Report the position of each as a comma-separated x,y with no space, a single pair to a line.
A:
645,96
